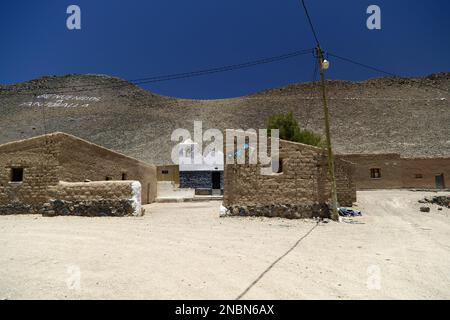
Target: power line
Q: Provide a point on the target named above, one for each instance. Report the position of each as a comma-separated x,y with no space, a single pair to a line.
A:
362,64
310,23
228,68
169,77
381,71
353,61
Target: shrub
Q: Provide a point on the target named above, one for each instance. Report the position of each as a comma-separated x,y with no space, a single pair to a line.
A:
291,131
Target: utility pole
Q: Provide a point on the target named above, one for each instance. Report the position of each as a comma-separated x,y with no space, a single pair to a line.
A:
323,65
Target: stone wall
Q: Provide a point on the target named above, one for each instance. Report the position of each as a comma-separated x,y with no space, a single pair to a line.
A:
99,198
301,190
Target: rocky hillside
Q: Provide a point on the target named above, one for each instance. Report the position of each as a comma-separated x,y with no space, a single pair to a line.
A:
406,115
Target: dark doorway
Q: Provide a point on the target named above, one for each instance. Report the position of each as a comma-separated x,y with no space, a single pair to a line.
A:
439,179
216,180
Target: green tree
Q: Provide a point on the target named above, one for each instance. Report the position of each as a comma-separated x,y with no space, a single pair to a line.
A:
290,130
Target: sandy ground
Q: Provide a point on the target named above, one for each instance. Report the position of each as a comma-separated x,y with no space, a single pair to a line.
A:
185,251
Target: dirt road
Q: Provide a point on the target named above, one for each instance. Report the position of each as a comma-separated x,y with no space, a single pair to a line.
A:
185,251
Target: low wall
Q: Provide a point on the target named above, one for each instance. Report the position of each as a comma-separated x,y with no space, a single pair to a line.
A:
96,198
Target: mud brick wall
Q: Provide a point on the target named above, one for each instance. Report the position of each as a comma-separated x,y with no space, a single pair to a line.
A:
168,173
301,190
390,167
99,198
398,172
40,169
428,168
80,160
345,182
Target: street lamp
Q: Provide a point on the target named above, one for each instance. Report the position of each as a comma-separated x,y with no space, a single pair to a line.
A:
324,65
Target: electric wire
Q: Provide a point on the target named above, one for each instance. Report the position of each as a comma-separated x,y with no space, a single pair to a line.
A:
154,79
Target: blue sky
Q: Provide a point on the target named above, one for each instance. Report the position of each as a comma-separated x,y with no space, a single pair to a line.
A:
136,38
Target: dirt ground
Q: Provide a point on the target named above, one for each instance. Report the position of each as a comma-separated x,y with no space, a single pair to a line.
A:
185,251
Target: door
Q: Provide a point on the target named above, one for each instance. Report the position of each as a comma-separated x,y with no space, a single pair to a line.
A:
439,179
216,180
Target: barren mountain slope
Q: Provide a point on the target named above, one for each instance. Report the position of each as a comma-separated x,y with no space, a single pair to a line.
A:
406,115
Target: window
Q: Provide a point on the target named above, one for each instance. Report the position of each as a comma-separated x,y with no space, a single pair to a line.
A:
16,174
107,178
418,176
375,173
124,176
165,172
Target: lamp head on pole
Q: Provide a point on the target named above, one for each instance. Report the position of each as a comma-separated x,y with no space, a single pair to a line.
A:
325,64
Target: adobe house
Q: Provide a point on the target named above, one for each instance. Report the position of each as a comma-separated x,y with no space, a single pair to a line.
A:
169,172
391,171
55,166
299,189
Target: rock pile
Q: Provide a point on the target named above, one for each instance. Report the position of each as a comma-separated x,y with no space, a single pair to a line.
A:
16,208
289,211
443,201
93,208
